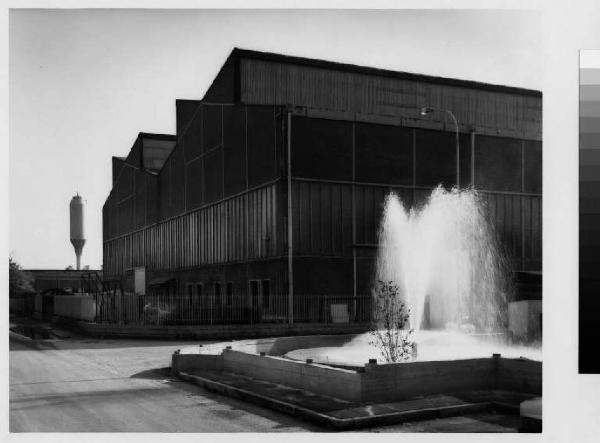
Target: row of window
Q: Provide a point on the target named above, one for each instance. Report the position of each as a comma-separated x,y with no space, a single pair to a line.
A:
259,290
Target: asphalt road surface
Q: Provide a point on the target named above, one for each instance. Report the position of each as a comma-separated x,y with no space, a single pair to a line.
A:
83,385
77,384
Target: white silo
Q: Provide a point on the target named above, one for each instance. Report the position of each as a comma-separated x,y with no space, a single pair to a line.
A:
76,208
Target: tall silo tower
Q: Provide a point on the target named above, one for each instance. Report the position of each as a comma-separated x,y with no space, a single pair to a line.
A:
77,234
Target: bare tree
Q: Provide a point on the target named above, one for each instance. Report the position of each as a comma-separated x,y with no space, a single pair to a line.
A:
390,318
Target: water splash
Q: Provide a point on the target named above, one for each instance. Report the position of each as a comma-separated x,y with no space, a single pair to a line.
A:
446,261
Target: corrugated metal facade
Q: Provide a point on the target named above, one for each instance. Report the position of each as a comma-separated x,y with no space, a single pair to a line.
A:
486,112
239,229
215,213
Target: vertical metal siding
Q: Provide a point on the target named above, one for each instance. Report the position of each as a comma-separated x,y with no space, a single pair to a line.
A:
208,236
323,219
269,82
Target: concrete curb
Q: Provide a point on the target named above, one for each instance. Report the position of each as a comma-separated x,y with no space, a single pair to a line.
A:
335,423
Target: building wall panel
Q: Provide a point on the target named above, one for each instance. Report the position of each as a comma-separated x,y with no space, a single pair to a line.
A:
191,137
234,145
211,235
270,82
262,148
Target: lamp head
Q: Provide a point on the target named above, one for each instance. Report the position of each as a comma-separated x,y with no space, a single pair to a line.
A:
426,110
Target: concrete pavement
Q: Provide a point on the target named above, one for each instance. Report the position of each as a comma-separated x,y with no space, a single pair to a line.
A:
115,386
78,384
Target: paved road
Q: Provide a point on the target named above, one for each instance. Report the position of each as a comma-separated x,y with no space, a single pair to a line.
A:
87,385
81,385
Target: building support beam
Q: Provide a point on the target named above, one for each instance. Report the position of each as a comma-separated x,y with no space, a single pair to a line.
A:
354,257
289,222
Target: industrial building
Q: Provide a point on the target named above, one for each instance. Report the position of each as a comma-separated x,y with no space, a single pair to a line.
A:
264,207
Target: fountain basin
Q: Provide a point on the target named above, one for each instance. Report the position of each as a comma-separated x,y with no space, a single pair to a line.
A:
432,346
370,382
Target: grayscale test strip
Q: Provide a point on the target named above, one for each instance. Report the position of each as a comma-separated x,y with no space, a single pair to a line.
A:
589,208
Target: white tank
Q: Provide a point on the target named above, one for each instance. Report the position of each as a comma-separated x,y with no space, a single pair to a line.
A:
76,209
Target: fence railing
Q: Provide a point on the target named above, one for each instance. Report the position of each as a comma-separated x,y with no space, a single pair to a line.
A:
122,307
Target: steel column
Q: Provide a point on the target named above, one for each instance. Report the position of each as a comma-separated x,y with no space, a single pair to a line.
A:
289,221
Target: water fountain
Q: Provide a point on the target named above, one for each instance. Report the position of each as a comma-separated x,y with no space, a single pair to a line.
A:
446,261
450,271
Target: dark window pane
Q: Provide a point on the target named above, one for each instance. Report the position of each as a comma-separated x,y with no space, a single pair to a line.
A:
156,152
192,137
213,176
262,155
212,126
235,149
217,294
497,163
254,293
125,183
465,160
533,167
384,154
177,181
229,299
321,148
151,199
436,157
164,187
140,199
193,191
185,109
266,293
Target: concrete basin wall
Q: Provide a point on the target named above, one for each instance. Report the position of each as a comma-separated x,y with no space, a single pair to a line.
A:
340,383
194,362
403,380
377,383
515,374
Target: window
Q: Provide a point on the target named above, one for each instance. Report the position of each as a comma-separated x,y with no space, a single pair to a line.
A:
260,142
266,293
156,152
190,295
532,166
384,154
435,161
229,293
199,288
498,163
254,293
321,148
218,294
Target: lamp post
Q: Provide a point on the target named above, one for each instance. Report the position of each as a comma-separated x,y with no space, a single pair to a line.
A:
426,110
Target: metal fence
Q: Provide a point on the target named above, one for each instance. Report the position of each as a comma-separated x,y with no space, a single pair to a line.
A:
128,308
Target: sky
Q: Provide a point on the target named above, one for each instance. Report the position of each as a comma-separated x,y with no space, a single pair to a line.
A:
84,83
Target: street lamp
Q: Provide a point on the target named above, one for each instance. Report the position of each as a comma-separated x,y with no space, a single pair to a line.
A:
426,110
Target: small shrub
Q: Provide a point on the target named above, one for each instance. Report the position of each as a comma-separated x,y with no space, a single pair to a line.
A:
389,331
